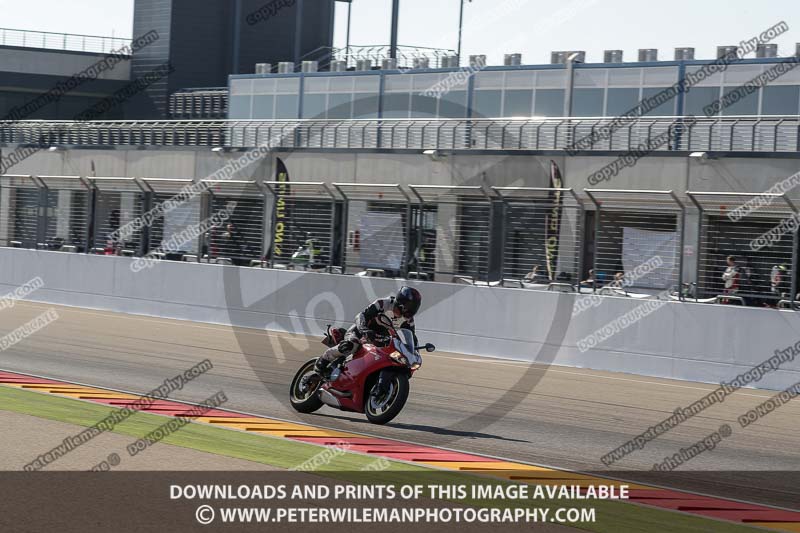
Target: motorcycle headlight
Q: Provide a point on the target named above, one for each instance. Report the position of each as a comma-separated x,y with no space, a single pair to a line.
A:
416,366
400,358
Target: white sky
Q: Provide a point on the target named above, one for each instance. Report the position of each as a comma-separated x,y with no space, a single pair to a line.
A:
492,27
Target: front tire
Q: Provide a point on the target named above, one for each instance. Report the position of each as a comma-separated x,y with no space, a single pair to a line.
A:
384,408
305,401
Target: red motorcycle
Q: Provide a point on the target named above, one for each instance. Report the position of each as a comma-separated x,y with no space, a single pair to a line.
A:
373,381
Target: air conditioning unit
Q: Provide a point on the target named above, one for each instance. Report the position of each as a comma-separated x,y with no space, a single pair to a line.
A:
364,64
512,60
285,67
612,56
559,58
684,54
450,62
310,66
478,61
421,62
338,65
263,68
389,63
723,51
767,50
648,54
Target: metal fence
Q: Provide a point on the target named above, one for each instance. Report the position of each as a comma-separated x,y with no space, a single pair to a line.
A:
620,242
62,41
725,134
757,253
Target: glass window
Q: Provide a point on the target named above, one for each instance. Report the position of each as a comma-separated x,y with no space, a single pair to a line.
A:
489,80
549,103
660,75
746,105
340,105
667,108
587,103
519,79
423,106
398,82
263,86
628,77
314,84
551,78
239,87
590,77
369,84
365,106
780,100
286,106
314,106
396,105
453,105
287,85
518,103
263,106
487,104
699,97
620,101
341,84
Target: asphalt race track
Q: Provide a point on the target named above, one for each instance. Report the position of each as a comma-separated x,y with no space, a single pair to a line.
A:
559,417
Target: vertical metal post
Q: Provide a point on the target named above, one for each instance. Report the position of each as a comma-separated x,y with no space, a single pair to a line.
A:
795,244
272,235
345,227
503,233
147,206
332,234
44,208
596,240
347,45
699,240
460,27
91,223
395,24
681,243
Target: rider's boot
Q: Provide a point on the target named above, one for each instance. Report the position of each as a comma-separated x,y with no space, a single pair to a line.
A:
321,367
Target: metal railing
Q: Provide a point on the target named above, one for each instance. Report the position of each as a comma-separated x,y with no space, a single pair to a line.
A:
629,243
723,134
211,103
61,41
408,57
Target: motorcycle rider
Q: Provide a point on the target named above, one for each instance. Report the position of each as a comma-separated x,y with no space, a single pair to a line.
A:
400,309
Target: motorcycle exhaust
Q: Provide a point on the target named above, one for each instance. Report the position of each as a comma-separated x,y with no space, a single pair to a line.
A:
329,399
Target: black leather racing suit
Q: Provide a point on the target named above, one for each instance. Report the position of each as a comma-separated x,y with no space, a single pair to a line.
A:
368,329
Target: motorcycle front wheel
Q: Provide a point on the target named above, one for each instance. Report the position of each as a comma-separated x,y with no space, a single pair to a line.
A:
303,393
383,408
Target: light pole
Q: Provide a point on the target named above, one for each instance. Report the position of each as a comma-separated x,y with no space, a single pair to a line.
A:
395,24
460,27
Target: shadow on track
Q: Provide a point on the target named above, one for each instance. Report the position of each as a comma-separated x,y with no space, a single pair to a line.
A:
428,429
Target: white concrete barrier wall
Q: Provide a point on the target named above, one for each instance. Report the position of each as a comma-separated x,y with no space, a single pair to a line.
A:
696,342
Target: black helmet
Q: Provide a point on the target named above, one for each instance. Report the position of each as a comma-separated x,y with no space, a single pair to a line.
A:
408,301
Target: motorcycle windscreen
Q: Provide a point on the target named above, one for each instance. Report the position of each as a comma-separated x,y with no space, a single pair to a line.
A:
405,345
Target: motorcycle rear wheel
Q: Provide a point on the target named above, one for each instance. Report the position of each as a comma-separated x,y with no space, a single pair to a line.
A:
384,409
304,401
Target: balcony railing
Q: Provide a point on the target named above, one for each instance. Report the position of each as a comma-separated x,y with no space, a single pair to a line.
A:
660,134
61,41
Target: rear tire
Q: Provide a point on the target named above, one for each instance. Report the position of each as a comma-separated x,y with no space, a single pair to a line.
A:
384,409
305,401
